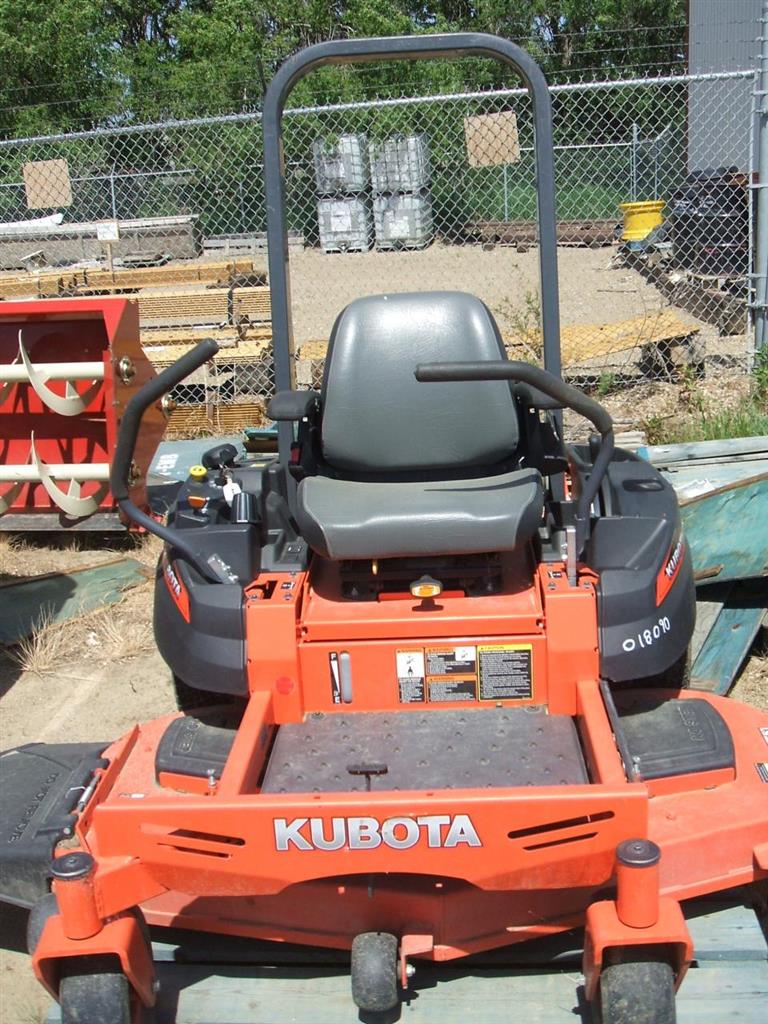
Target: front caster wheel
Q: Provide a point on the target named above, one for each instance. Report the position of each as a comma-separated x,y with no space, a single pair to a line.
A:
374,971
638,992
94,990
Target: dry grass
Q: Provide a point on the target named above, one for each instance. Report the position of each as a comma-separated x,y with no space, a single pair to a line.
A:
45,649
116,633
751,685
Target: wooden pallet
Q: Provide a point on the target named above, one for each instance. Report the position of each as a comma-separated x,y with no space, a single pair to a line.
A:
215,272
526,232
213,980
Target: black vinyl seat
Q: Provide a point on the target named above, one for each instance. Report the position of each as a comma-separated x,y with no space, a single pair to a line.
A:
410,468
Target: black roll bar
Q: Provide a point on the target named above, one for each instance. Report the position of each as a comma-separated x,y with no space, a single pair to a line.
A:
119,477
418,47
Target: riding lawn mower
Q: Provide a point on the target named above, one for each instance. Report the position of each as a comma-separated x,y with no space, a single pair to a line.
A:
433,666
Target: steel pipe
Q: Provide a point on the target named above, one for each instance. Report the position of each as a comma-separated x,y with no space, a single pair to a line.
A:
16,373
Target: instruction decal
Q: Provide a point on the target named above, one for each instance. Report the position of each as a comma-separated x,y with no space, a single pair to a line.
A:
505,671
451,673
410,676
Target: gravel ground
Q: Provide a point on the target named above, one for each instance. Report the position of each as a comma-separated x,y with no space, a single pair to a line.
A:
592,288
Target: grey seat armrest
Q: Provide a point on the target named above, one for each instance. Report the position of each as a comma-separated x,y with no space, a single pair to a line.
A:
294,405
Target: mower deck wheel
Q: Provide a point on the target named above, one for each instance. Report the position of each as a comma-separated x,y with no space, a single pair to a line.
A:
93,990
374,971
637,992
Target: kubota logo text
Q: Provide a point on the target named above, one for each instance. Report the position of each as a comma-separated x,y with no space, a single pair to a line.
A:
399,833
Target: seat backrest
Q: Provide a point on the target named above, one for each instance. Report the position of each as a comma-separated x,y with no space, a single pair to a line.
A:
377,418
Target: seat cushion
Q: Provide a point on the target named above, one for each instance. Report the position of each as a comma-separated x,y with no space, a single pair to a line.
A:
393,519
377,418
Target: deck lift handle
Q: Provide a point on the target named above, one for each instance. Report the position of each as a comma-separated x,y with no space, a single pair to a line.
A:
563,395
122,462
417,47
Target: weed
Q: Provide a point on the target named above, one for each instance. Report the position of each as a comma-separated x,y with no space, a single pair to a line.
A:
747,420
119,635
760,376
691,395
606,383
526,326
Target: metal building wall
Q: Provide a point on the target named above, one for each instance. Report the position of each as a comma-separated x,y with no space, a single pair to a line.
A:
722,36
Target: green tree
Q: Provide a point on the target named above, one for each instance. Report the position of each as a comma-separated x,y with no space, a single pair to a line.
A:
73,62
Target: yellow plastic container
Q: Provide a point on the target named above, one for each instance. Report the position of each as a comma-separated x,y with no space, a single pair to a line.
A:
641,218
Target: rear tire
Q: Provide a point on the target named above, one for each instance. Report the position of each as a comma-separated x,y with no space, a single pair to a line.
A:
93,990
374,971
676,677
188,698
637,992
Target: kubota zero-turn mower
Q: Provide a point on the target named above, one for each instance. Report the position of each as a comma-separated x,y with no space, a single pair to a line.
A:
447,650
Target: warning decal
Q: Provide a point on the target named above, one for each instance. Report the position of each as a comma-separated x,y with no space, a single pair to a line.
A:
410,676
762,770
505,671
451,673
466,672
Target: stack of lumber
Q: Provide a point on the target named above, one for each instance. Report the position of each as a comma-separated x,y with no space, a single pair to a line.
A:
51,284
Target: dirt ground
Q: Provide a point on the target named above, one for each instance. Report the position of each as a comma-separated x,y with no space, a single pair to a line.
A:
595,288
591,289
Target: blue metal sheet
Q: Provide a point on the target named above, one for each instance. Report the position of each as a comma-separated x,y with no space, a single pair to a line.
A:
727,531
58,596
729,638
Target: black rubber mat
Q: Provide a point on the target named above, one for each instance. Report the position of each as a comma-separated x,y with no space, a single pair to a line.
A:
40,786
196,745
671,737
422,750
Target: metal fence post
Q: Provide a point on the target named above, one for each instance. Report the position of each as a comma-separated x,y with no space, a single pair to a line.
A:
761,225
112,192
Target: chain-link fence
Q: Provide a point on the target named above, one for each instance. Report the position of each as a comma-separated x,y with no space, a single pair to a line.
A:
405,194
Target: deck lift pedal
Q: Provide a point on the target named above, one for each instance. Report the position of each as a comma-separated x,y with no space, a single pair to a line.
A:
438,657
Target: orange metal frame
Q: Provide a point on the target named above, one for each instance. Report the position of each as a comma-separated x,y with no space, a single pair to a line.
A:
206,856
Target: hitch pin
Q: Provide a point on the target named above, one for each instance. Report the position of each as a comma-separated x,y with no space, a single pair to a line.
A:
87,794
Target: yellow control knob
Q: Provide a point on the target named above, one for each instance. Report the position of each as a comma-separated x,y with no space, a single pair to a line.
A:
198,472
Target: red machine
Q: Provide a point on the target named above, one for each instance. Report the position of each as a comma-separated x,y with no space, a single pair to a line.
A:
433,659
68,367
